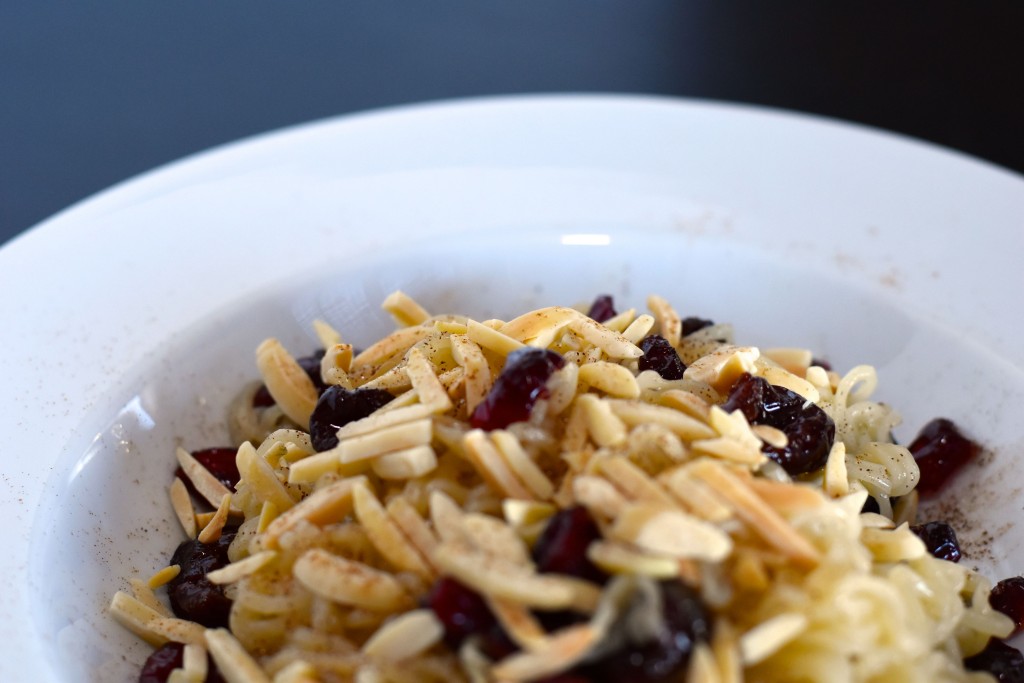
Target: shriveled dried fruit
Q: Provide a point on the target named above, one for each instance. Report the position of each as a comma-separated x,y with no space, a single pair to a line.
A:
337,407
521,383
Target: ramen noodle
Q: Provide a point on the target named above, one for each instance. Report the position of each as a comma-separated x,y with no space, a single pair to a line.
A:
335,569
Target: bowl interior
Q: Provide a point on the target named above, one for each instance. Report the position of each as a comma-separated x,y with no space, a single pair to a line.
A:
109,519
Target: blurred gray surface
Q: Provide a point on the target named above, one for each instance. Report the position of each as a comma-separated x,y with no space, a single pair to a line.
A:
93,93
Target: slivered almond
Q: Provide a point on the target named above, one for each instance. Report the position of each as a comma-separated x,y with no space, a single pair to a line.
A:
164,576
599,496
404,309
694,495
491,339
234,663
447,518
726,448
326,333
540,326
287,382
614,345
792,359
477,372
634,482
425,382
634,413
138,618
497,577
390,346
610,378
236,571
414,527
395,438
784,378
404,636
722,367
520,513
261,478
144,594
350,583
383,419
770,435
686,402
408,463
560,652
208,486
518,622
669,323
604,427
522,466
768,637
308,470
181,501
335,364
837,482
621,321
767,523
491,466
639,328
670,533
385,536
786,498
492,536
193,661
211,532
620,558
329,504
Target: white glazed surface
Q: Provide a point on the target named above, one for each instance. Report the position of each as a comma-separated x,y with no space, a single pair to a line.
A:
132,317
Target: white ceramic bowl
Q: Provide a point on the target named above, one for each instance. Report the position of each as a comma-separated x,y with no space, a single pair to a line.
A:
131,318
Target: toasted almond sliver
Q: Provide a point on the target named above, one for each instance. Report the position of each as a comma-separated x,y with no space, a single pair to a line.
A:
733,425
211,532
329,504
770,636
467,353
390,346
694,495
558,653
494,537
349,583
634,413
297,672
792,359
669,322
326,333
414,527
837,482
519,623
787,499
540,327
519,461
178,630
425,382
308,470
784,378
620,322
404,636
639,328
634,482
236,571
491,466
619,558
383,419
194,661
610,378
500,578
163,576
491,339
385,536
136,617
287,382
144,594
771,435
686,402
261,478
396,438
404,309
235,664
335,364
519,513
599,496
725,448
613,344
446,516
208,486
726,649
671,533
181,501
723,366
767,523
408,463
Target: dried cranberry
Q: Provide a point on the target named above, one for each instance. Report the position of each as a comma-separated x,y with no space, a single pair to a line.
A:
1000,660
520,384
821,363
337,407
940,539
221,464
171,656
661,357
687,622
809,431
691,324
192,595
562,548
1008,597
311,364
602,309
941,450
462,611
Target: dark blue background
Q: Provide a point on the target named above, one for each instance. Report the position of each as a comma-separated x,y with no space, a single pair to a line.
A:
92,93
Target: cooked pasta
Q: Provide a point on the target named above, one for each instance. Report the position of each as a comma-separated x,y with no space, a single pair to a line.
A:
570,486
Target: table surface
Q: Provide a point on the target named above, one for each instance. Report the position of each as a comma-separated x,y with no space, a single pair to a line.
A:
94,93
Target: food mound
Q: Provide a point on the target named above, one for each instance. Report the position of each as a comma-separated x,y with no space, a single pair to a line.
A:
567,496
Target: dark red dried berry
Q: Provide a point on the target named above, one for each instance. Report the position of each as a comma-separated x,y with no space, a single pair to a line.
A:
691,324
221,464
562,547
1000,660
338,406
192,595
941,450
167,658
809,430
462,611
821,363
521,383
687,622
940,539
660,357
602,309
311,364
1008,597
